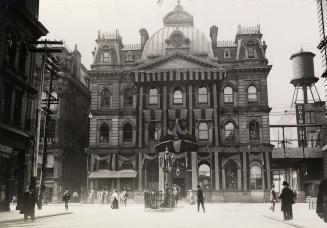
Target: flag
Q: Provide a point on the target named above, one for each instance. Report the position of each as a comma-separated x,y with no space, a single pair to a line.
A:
159,2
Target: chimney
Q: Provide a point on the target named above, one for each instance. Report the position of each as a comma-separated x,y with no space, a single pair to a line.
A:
214,35
144,37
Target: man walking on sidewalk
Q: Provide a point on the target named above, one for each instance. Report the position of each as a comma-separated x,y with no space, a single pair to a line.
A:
200,198
29,201
66,198
287,198
322,200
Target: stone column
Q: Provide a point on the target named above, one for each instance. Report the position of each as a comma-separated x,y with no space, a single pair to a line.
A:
245,171
223,178
239,179
161,174
268,169
164,107
217,171
190,108
140,173
215,115
140,116
194,170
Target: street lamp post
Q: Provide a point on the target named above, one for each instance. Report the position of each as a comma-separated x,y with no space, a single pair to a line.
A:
166,166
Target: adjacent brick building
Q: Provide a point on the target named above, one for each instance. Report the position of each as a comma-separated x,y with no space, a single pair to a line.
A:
179,82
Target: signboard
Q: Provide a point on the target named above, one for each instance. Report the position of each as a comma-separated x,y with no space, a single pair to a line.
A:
300,119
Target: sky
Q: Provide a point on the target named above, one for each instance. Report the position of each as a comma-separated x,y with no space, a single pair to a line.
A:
286,25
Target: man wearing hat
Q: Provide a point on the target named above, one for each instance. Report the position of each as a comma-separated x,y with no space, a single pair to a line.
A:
322,200
200,198
287,197
29,201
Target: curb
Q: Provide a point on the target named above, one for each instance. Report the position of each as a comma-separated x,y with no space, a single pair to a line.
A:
282,221
38,217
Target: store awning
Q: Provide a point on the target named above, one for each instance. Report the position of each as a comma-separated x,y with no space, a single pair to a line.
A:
111,174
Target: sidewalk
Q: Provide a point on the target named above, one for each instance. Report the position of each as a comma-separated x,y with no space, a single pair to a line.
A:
47,211
302,216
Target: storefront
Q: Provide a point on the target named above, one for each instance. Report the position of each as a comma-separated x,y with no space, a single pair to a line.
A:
5,155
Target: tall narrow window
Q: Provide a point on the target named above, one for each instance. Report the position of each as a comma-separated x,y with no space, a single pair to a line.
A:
310,117
255,177
128,97
252,94
11,49
106,56
7,103
227,54
153,130
203,131
228,95
251,53
105,98
229,131
153,96
18,107
203,95
22,58
51,132
104,133
178,96
128,132
254,130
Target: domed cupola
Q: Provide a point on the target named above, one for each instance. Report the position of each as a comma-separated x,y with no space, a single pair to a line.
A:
178,17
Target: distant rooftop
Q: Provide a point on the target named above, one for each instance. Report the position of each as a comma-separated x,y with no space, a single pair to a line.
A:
132,47
248,30
226,43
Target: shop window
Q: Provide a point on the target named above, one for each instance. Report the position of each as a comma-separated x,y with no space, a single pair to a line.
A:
128,97
255,177
128,132
229,131
203,95
178,96
310,117
153,130
105,98
153,96
203,131
252,94
104,133
228,95
254,130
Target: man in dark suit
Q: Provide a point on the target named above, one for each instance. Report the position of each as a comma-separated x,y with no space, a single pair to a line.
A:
322,200
29,201
200,198
287,197
66,198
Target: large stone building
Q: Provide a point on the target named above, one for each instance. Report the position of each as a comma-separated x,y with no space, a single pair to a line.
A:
179,82
18,89
67,132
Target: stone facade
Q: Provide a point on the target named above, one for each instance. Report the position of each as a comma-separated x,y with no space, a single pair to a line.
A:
18,89
179,81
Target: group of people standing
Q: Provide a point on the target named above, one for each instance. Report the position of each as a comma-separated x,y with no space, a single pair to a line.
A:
105,197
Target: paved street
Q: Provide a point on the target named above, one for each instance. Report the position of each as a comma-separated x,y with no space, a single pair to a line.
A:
217,215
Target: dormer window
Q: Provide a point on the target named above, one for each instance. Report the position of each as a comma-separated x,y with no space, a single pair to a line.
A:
106,56
227,54
251,53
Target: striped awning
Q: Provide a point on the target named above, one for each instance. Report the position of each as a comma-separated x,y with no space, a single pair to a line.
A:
111,174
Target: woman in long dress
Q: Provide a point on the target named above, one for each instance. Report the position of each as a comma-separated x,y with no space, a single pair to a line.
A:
114,199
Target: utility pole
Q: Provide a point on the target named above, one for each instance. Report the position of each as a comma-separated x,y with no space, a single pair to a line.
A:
45,48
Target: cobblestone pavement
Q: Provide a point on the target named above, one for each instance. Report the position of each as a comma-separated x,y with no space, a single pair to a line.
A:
185,216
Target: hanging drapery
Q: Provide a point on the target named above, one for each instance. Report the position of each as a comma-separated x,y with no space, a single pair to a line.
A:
124,158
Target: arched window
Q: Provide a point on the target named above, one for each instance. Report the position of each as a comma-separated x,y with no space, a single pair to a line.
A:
11,49
178,96
252,94
228,94
153,96
255,177
205,176
229,131
127,165
203,131
231,175
153,130
22,58
128,132
104,133
203,95
128,97
105,98
254,130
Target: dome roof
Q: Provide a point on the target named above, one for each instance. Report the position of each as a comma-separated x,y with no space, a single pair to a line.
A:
178,17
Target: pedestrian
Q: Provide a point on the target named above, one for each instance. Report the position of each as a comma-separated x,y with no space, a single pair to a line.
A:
322,200
191,195
273,198
75,196
200,198
287,198
103,197
125,196
66,198
29,201
114,199
146,198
